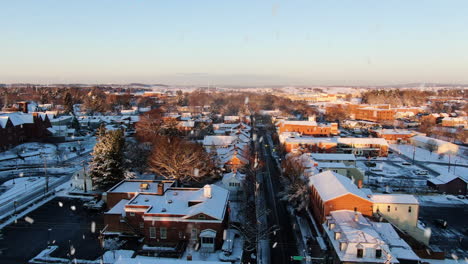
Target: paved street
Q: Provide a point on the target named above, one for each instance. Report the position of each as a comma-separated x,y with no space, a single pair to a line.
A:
285,242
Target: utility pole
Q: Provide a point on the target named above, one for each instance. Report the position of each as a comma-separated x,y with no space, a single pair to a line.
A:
449,163
414,152
45,173
84,177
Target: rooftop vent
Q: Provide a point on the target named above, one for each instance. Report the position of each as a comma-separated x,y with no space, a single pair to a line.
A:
175,193
163,210
146,199
169,201
144,186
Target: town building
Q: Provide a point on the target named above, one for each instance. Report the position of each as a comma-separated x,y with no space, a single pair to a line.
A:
393,135
19,127
355,240
163,215
309,128
331,191
366,147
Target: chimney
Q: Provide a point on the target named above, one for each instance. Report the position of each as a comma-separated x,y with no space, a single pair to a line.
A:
160,188
207,191
23,107
356,217
360,184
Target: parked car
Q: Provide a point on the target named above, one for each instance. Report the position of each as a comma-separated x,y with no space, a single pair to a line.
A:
370,164
420,172
441,223
94,205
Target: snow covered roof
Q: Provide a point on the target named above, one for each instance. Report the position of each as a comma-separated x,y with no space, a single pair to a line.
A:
133,186
187,123
332,156
331,185
218,140
394,199
118,208
336,165
427,140
362,141
236,175
298,123
446,178
175,201
231,118
3,121
393,132
18,118
356,232
397,245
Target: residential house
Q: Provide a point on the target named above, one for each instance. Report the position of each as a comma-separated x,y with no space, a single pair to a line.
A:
449,183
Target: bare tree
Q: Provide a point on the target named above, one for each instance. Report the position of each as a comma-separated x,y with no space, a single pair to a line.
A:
176,158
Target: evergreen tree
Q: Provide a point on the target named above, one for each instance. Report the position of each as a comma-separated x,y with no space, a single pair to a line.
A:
68,103
106,167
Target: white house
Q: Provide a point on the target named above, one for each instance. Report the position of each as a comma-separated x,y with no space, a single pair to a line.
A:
439,146
355,240
233,181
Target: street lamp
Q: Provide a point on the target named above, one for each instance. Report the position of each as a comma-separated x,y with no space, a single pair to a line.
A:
14,204
48,236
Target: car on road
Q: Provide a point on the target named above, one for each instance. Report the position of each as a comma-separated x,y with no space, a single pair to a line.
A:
406,163
370,164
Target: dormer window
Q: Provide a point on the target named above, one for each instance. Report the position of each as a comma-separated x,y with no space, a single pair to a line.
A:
331,226
378,253
360,253
337,235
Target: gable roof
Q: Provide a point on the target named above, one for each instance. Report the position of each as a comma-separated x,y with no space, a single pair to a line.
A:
331,185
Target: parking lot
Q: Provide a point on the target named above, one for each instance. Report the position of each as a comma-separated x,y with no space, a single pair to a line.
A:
63,222
453,238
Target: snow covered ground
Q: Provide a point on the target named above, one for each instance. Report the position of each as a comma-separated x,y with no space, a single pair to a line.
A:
425,155
20,186
439,199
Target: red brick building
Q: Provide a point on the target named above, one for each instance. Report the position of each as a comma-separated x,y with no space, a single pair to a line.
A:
165,216
331,191
18,127
310,128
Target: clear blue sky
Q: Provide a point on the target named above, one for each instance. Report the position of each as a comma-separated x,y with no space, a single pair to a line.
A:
234,42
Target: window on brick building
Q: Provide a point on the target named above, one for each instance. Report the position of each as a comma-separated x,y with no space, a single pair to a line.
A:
163,231
388,208
142,225
152,232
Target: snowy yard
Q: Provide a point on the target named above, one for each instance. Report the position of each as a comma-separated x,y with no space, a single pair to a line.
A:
425,155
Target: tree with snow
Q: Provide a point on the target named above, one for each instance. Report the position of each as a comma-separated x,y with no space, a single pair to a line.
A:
296,191
106,167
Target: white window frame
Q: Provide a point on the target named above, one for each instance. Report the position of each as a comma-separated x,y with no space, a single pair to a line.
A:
163,232
152,232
